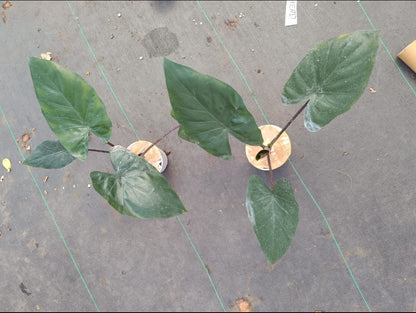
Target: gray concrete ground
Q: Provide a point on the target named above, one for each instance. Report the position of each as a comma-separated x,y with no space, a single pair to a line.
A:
63,248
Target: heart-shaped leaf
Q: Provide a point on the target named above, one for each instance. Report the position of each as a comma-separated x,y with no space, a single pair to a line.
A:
70,105
208,110
273,214
136,188
333,76
49,154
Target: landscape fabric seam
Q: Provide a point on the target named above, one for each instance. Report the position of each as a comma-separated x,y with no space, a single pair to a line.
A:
387,50
134,130
51,214
297,173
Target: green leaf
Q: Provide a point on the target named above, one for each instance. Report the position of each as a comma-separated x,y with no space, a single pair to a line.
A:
70,105
208,110
261,154
136,188
49,154
273,214
333,76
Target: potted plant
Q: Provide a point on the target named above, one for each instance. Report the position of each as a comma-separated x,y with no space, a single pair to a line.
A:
328,81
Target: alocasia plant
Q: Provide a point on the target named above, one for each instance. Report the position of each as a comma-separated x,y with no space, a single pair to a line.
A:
328,80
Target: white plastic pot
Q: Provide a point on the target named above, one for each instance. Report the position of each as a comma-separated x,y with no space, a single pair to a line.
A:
154,156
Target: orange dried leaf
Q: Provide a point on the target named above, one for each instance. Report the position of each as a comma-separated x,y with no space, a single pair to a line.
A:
7,5
25,137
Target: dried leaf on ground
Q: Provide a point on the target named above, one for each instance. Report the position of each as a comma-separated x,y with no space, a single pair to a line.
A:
7,164
25,137
7,5
372,90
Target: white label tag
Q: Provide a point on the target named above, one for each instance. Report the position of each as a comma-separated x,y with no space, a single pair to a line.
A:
291,13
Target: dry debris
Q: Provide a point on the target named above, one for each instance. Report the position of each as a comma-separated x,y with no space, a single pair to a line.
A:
230,23
46,56
372,90
25,137
25,140
7,164
6,5
244,305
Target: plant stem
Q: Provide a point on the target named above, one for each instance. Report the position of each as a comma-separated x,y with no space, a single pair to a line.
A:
157,141
270,145
96,150
270,170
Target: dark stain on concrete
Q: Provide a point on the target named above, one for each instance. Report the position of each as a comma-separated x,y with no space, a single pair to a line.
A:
162,6
160,42
23,288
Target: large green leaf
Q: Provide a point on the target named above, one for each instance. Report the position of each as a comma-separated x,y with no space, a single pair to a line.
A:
136,188
333,76
273,214
207,110
70,105
49,154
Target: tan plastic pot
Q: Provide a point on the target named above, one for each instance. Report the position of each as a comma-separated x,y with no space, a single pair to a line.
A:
408,55
154,156
280,151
